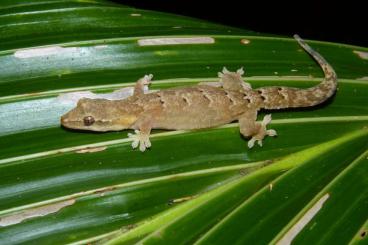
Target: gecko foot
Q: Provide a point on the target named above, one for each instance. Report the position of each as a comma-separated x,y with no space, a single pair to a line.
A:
140,139
146,80
139,87
233,80
263,132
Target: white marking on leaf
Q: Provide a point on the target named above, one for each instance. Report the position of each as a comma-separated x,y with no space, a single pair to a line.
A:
245,41
303,221
100,46
91,149
175,41
34,212
361,54
73,97
363,78
46,51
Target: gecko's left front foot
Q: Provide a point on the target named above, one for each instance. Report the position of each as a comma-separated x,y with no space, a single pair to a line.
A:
140,139
139,86
146,80
262,132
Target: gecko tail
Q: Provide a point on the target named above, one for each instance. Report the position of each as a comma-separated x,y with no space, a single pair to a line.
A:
329,83
286,97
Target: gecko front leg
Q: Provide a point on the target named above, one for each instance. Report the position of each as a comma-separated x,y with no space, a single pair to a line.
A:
139,86
249,127
142,130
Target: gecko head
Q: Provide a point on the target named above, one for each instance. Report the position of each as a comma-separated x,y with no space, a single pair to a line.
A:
98,115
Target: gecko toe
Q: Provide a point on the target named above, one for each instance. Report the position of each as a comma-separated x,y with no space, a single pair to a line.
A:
135,140
147,143
142,147
135,144
144,143
266,120
240,71
271,132
146,80
251,142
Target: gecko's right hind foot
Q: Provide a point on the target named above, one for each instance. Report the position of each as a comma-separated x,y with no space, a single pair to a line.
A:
263,132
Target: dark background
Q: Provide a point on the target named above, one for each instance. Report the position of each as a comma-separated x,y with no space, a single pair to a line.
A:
338,21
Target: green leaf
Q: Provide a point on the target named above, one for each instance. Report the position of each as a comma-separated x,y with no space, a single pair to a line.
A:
309,185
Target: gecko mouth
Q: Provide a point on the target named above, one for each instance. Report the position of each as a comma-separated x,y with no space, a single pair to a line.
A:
65,122
98,126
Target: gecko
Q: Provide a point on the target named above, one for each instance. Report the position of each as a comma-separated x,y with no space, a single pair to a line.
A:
200,106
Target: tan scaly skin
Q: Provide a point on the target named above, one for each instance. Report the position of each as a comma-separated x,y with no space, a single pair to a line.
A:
200,106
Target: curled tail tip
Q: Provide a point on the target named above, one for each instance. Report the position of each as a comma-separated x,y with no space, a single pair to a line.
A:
296,36
301,41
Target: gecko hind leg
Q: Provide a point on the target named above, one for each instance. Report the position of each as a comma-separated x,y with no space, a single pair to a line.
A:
140,139
139,86
233,81
249,127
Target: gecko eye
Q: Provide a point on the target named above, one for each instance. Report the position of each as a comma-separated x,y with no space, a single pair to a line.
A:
88,120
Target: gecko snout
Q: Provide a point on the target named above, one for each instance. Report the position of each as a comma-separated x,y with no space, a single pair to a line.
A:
63,120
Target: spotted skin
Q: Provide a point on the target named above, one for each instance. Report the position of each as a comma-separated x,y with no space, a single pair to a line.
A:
202,106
